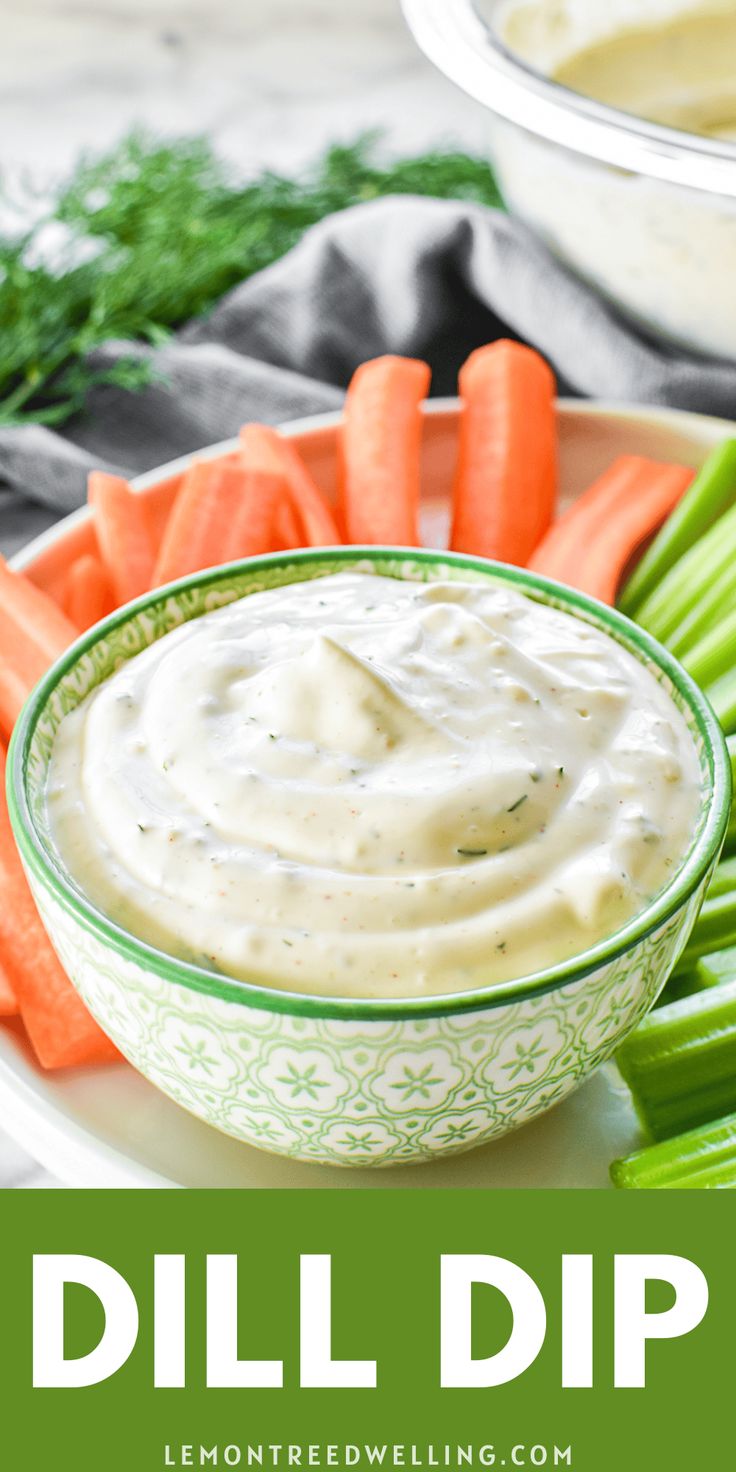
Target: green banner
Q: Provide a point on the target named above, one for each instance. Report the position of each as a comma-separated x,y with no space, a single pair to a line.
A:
248,1328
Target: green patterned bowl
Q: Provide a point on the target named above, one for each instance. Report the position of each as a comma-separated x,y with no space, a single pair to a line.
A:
354,1082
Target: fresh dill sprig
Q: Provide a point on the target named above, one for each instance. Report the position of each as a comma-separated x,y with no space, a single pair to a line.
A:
150,235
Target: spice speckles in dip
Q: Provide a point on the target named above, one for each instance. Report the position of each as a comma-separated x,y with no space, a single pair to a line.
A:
359,786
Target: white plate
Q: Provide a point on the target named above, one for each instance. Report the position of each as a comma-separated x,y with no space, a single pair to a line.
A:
109,1127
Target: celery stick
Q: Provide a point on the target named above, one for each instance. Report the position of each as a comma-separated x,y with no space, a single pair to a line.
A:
718,1175
715,600
715,654
722,696
724,879
731,830
702,1159
714,929
681,588
712,492
713,970
680,1064
683,984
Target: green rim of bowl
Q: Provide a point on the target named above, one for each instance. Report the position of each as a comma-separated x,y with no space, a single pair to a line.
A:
706,846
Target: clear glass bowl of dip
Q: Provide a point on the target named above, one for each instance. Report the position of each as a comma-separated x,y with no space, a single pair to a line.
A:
645,213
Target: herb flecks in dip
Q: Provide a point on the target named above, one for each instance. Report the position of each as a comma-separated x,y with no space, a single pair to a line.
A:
359,786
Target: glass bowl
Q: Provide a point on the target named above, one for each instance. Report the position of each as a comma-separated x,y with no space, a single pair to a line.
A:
645,213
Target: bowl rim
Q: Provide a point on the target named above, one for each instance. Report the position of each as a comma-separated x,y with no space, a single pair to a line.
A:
665,905
465,47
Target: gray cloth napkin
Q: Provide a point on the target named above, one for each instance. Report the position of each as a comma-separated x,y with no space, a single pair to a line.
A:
430,278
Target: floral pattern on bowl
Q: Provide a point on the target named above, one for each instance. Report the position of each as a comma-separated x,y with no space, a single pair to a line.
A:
363,1093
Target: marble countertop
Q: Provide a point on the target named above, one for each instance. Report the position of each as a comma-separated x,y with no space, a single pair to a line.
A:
271,83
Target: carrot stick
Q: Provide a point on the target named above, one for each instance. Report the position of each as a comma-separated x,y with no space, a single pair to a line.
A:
596,505
58,1024
264,449
221,513
33,630
123,533
260,513
14,691
506,480
288,527
381,451
88,595
8,1000
605,560
591,546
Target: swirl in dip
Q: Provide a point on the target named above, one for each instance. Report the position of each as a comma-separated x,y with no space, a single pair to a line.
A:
365,787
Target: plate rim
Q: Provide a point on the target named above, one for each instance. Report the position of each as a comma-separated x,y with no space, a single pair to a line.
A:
567,408
31,1120
43,1129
